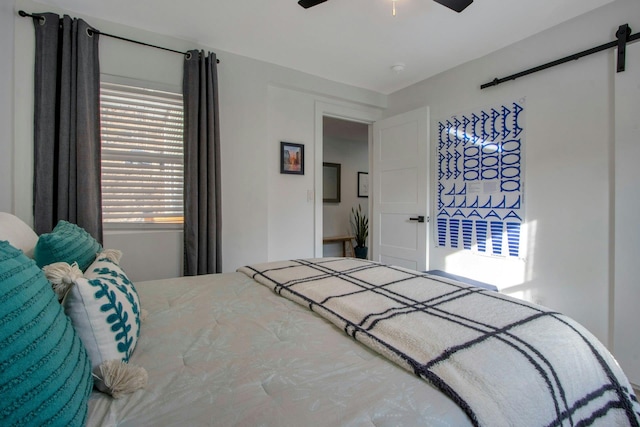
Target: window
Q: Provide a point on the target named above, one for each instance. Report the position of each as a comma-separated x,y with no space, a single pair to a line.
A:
142,154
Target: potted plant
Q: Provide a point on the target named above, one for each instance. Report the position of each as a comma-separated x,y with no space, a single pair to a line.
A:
360,224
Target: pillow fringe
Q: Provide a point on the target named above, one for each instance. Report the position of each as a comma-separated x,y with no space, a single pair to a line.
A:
112,255
62,276
118,378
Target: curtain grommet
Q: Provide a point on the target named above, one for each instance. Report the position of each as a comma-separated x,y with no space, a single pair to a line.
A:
188,55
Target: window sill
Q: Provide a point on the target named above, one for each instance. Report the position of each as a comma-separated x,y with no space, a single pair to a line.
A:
116,227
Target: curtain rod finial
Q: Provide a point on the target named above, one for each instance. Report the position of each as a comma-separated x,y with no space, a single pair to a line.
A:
24,14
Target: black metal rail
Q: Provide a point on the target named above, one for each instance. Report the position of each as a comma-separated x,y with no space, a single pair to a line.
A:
93,30
624,37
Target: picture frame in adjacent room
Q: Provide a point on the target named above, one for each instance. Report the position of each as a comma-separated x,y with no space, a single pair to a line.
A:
363,184
291,158
331,182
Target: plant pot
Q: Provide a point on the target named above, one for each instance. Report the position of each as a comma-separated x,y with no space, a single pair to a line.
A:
361,252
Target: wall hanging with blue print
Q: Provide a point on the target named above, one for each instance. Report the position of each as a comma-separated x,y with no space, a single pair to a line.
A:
480,189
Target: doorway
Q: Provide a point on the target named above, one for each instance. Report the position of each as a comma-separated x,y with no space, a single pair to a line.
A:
345,158
389,185
351,113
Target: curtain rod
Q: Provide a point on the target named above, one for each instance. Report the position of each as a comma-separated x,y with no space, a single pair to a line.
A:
93,30
624,37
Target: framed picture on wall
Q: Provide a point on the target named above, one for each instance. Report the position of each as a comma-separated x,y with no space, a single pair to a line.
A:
331,182
363,184
291,158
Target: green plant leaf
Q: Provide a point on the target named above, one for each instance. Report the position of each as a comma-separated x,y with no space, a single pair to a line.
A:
360,225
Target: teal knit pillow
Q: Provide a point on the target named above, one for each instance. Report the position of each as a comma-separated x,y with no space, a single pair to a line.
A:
45,373
66,243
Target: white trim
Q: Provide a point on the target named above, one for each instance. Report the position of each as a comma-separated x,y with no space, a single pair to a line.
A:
136,226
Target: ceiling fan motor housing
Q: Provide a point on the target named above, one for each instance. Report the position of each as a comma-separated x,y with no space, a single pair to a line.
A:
308,3
457,5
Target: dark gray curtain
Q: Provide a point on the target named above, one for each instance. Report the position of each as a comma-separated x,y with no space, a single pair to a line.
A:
202,214
66,125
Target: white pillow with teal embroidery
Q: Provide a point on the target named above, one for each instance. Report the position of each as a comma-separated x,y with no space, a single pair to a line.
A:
105,311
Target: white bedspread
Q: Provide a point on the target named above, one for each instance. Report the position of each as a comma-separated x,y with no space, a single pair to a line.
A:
504,361
223,350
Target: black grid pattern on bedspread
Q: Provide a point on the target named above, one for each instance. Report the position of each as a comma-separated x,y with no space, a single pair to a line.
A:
468,331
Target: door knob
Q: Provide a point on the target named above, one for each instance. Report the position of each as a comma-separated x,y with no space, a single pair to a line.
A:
419,218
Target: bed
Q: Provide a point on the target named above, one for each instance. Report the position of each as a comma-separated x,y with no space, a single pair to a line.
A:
239,354
322,342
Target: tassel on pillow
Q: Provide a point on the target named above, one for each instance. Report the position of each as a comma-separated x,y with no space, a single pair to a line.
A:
118,378
112,255
62,276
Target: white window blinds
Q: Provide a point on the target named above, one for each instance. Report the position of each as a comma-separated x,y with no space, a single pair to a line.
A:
142,154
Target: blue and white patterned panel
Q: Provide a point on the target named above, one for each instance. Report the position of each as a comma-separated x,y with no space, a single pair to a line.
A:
480,171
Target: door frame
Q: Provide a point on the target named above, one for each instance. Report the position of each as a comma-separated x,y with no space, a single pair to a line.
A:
353,113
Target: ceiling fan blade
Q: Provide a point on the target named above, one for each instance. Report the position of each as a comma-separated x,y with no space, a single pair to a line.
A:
308,3
457,5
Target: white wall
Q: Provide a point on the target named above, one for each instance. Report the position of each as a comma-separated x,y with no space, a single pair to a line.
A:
353,157
290,213
268,216
569,140
146,255
255,114
291,198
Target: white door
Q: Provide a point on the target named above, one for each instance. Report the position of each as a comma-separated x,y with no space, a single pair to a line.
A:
400,189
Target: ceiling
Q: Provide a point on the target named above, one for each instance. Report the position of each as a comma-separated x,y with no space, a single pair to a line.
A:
349,41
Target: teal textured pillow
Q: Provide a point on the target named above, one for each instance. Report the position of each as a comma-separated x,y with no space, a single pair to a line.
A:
104,308
66,243
45,373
